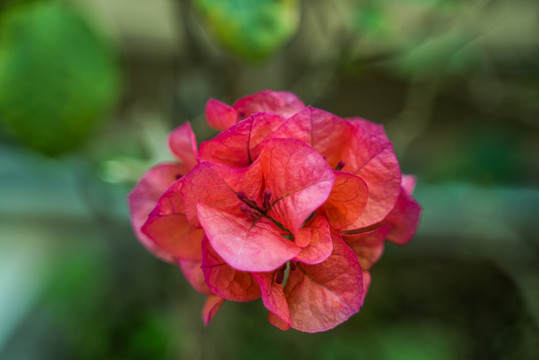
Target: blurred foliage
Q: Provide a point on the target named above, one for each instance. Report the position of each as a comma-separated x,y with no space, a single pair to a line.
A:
252,30
57,77
429,36
6,4
456,84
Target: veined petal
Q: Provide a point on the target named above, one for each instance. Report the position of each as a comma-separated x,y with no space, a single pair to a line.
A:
169,229
144,197
211,306
219,115
193,273
277,322
324,131
218,186
374,128
299,179
225,281
273,297
175,235
346,201
403,219
183,144
246,244
324,295
282,103
368,246
316,234
238,146
363,153
372,158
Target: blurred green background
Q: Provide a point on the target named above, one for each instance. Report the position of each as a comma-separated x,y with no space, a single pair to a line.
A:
89,90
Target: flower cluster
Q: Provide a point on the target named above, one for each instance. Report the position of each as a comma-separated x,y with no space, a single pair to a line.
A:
288,203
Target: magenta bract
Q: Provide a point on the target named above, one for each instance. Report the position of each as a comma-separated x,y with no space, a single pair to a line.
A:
290,204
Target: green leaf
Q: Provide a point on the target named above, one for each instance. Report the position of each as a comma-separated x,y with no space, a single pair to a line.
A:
250,29
57,77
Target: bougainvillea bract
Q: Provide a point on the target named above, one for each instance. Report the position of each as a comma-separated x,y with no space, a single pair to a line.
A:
289,203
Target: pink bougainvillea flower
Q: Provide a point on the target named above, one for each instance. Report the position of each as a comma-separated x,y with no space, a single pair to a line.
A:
290,204
244,211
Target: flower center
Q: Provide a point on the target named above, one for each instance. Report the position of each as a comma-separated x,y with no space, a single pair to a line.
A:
251,208
282,274
339,166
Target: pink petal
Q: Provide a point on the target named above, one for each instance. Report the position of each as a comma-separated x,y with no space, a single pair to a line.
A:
175,235
169,229
277,322
218,186
368,246
366,285
225,281
408,183
403,219
239,145
374,128
144,197
372,158
316,234
281,103
183,144
364,154
273,297
299,179
210,308
194,275
246,245
324,295
325,132
346,201
220,116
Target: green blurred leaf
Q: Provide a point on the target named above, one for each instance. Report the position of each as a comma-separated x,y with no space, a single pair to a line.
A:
57,77
5,4
250,29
